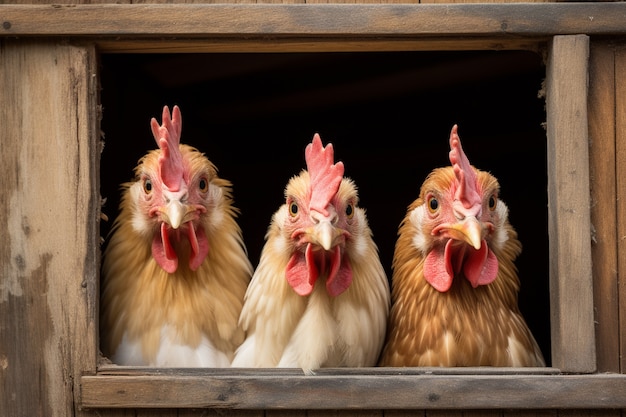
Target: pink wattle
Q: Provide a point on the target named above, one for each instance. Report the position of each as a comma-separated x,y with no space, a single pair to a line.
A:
302,274
303,271
340,276
199,246
163,252
165,255
480,267
436,270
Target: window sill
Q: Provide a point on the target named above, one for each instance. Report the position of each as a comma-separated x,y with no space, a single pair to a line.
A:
351,388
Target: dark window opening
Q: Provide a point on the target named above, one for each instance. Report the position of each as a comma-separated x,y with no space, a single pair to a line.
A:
388,115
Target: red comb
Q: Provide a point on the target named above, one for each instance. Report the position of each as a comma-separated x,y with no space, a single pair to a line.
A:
325,176
466,192
167,136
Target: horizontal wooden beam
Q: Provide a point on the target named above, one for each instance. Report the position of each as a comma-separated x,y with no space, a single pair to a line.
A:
313,44
384,388
310,20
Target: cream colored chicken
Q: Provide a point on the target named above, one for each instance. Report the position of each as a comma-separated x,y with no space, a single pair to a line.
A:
175,268
319,296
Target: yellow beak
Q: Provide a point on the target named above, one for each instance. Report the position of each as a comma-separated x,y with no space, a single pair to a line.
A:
468,230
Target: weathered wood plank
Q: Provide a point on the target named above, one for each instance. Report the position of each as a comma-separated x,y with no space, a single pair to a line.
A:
589,413
272,1
406,413
342,413
485,1
48,220
453,413
318,44
285,413
604,203
569,228
620,138
531,413
356,392
450,20
117,370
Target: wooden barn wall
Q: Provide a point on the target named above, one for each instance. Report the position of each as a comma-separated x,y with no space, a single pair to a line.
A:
49,151
50,246
620,175
607,139
271,1
603,167
620,93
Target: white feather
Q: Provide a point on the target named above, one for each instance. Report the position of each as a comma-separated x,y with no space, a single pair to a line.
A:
172,354
314,336
501,235
416,218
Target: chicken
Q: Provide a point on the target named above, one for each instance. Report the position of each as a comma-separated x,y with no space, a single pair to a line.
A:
319,296
175,268
454,281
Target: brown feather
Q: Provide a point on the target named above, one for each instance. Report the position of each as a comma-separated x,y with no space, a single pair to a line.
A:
463,326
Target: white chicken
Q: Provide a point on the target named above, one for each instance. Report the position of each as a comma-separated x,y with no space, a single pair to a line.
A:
319,296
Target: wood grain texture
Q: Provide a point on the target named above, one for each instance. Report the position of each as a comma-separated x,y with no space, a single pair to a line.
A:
406,413
603,157
620,140
285,413
507,20
355,392
342,43
49,209
569,228
484,1
271,1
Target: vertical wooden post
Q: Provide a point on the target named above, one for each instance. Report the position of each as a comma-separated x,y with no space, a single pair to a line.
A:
49,208
620,140
603,155
569,228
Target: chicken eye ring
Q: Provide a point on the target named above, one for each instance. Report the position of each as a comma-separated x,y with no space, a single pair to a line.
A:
203,185
293,209
432,203
493,202
350,210
147,185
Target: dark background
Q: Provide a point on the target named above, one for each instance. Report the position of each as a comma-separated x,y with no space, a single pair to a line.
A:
388,115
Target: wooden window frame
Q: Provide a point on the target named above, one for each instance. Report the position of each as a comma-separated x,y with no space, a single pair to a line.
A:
560,30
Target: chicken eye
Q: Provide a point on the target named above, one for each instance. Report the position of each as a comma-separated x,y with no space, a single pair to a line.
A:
493,201
433,204
147,185
203,185
293,209
350,210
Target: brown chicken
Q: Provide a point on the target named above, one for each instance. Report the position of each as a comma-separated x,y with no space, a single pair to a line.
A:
175,269
454,283
319,296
